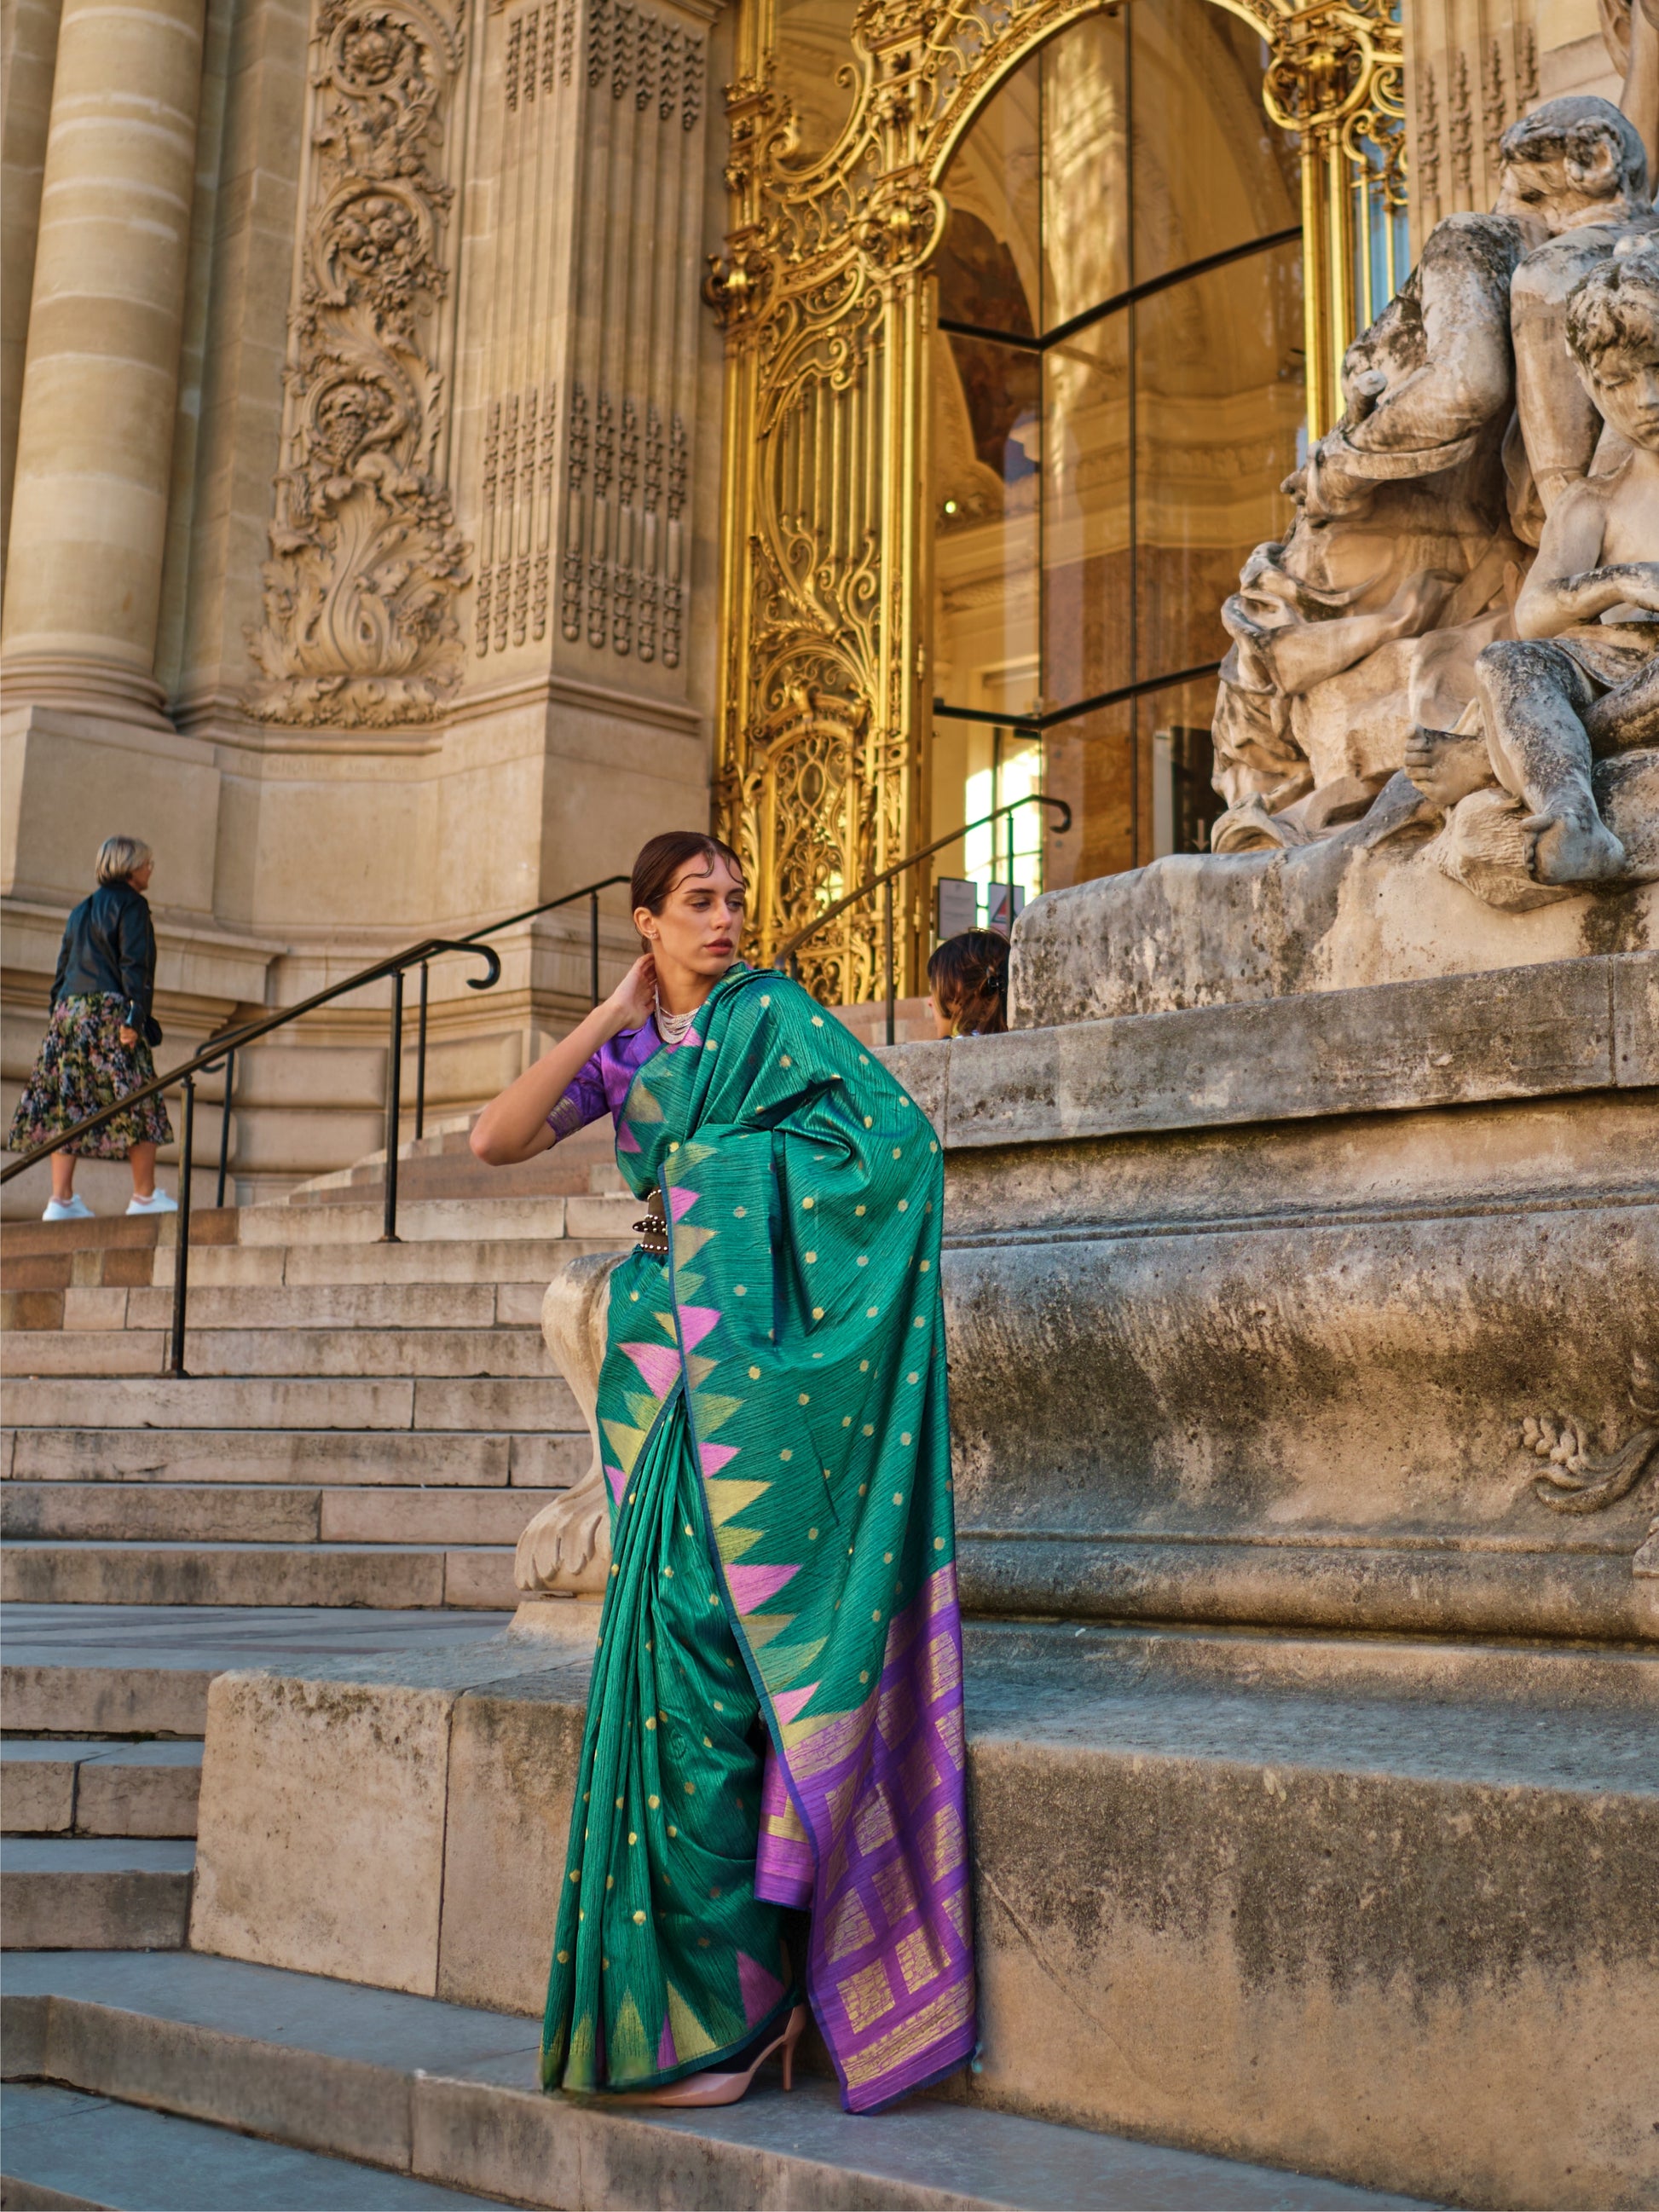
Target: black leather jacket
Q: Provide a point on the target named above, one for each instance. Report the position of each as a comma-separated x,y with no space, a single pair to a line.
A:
109,945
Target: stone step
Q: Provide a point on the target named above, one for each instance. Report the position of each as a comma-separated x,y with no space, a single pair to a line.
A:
495,1260
61,1786
255,1306
446,2093
117,1671
65,2147
231,1513
111,1232
387,1576
293,1401
355,1306
458,1175
94,1892
441,1164
323,1353
355,1457
441,1220
1264,1894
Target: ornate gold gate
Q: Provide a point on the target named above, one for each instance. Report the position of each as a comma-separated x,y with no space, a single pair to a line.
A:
827,543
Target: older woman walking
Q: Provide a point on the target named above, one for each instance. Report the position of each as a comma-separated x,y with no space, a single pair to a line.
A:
774,1721
97,1046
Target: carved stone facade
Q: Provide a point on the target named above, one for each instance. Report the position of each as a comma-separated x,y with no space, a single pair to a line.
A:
366,562
404,616
436,279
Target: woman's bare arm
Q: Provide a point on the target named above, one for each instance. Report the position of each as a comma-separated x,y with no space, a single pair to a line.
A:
514,1126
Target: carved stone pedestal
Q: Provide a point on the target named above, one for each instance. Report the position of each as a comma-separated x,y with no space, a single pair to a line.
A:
1337,1311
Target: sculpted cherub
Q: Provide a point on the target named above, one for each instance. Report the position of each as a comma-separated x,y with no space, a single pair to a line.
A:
1581,680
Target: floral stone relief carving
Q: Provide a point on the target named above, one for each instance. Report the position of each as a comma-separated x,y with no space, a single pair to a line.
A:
361,628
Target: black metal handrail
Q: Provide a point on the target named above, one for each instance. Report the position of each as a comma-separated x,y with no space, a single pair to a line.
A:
225,1047
785,954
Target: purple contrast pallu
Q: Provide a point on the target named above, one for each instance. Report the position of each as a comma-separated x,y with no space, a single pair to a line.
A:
776,1721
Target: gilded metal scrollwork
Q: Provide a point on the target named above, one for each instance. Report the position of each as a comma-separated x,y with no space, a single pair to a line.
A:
827,543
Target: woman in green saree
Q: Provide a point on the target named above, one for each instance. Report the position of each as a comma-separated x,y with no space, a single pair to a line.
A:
774,1721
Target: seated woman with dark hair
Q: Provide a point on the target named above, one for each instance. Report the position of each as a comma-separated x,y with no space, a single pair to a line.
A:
968,979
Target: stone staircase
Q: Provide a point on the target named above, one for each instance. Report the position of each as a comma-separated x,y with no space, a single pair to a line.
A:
1312,1833
362,1424
144,2070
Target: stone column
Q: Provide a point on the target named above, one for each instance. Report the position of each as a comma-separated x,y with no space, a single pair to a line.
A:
101,382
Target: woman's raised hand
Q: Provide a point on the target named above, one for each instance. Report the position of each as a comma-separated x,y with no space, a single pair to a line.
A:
635,997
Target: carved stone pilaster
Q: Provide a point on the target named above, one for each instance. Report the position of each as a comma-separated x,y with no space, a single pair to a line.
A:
599,139
361,628
1469,75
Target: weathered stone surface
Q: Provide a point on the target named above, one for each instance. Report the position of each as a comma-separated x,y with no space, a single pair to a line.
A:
50,1698
310,1790
221,1574
449,2091
1379,1303
75,1894
512,1766
138,1789
100,1789
1198,930
1410,1980
1408,1874
264,2083
1517,1032
480,1580
407,1516
275,1455
64,2148
359,1306
37,1793
172,1511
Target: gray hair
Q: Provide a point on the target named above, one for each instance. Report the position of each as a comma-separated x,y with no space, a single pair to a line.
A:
118,856
1573,128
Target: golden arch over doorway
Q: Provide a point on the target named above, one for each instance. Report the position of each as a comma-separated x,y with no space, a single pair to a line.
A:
839,207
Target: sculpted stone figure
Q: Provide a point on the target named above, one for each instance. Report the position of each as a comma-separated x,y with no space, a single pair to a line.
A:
1400,529
1580,681
566,1549
1578,168
1398,626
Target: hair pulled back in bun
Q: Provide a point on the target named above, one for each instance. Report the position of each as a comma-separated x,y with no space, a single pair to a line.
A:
968,977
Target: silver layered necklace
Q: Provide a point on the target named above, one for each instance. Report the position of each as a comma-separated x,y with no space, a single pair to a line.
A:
671,1028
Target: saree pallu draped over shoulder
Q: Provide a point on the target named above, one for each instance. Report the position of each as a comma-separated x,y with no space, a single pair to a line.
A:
776,1717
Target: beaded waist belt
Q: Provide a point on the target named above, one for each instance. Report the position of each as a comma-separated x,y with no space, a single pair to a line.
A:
652,1229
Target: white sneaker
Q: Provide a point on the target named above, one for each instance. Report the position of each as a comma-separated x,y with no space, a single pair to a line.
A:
157,1202
67,1209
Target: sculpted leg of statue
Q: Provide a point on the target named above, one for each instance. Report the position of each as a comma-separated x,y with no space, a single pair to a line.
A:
1535,696
567,1548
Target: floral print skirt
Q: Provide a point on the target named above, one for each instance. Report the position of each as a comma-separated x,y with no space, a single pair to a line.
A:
82,1067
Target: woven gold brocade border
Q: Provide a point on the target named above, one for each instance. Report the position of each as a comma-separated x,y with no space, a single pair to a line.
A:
931,2026
826,584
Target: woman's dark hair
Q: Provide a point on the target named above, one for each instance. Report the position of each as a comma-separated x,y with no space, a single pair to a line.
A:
969,977
661,859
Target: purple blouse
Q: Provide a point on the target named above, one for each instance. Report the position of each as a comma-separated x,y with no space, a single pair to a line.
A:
601,1086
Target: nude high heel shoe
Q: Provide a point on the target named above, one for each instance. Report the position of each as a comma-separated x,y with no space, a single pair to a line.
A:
718,2088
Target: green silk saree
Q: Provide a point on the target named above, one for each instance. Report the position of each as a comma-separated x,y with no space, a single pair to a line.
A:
774,1724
